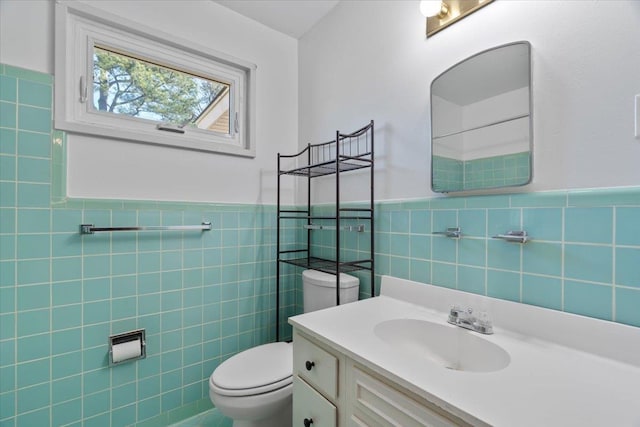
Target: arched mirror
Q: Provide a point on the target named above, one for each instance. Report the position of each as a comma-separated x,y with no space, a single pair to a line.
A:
481,121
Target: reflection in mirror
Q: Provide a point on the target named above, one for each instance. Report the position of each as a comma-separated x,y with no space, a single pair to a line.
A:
481,133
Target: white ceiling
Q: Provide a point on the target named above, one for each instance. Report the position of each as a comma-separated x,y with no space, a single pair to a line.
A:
291,17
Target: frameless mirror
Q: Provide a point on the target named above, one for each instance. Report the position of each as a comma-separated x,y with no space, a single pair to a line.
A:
481,128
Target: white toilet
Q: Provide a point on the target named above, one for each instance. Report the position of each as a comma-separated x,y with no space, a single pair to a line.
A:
254,387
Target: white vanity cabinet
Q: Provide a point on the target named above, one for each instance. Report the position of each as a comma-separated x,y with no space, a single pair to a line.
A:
561,369
330,389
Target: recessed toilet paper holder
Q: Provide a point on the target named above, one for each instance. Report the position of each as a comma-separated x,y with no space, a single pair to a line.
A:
127,347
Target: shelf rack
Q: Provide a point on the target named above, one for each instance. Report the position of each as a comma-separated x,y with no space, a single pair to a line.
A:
346,153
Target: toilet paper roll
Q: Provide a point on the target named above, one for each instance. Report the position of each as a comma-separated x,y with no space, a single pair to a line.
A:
126,350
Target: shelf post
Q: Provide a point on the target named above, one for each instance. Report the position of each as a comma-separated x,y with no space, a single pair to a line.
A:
371,199
309,158
278,255
337,218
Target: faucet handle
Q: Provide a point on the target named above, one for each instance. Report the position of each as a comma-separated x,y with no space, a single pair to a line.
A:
454,313
483,317
484,322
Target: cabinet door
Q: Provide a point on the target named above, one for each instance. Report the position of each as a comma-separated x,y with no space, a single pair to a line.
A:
390,407
354,421
318,367
310,409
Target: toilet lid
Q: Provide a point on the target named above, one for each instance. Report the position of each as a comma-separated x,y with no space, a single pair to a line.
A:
255,368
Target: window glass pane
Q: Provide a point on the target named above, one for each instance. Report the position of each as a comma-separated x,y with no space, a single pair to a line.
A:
123,84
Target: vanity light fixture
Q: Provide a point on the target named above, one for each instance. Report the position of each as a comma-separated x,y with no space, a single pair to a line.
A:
431,8
442,13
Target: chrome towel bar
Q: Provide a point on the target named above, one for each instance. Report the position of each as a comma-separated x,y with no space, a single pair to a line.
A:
91,229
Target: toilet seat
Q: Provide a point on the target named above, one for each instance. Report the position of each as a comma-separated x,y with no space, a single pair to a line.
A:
259,370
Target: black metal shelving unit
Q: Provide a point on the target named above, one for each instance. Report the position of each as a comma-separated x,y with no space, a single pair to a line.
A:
348,152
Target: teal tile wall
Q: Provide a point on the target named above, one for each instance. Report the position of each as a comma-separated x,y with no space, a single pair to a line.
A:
489,172
448,174
498,171
582,258
201,296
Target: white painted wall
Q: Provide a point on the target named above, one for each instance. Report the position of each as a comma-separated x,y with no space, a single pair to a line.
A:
102,168
26,34
496,108
370,60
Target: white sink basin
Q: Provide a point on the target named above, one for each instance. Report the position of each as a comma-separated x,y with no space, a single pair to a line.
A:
451,347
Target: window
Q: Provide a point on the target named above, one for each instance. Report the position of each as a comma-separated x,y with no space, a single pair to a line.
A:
123,84
117,79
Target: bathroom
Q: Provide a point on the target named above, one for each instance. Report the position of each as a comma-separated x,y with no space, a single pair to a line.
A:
204,296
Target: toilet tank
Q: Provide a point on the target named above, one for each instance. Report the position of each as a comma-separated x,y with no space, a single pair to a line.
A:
319,289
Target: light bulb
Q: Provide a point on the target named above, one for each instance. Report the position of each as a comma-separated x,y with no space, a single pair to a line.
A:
430,7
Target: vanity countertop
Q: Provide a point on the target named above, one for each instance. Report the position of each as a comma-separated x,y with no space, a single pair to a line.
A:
591,381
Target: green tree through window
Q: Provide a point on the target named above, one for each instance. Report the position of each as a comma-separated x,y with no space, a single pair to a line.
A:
130,86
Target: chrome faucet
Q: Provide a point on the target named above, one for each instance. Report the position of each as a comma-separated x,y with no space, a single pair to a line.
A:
466,319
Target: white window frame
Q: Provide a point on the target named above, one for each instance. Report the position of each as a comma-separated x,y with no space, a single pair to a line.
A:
80,27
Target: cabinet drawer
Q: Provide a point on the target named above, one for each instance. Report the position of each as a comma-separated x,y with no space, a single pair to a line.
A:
318,367
310,405
390,407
